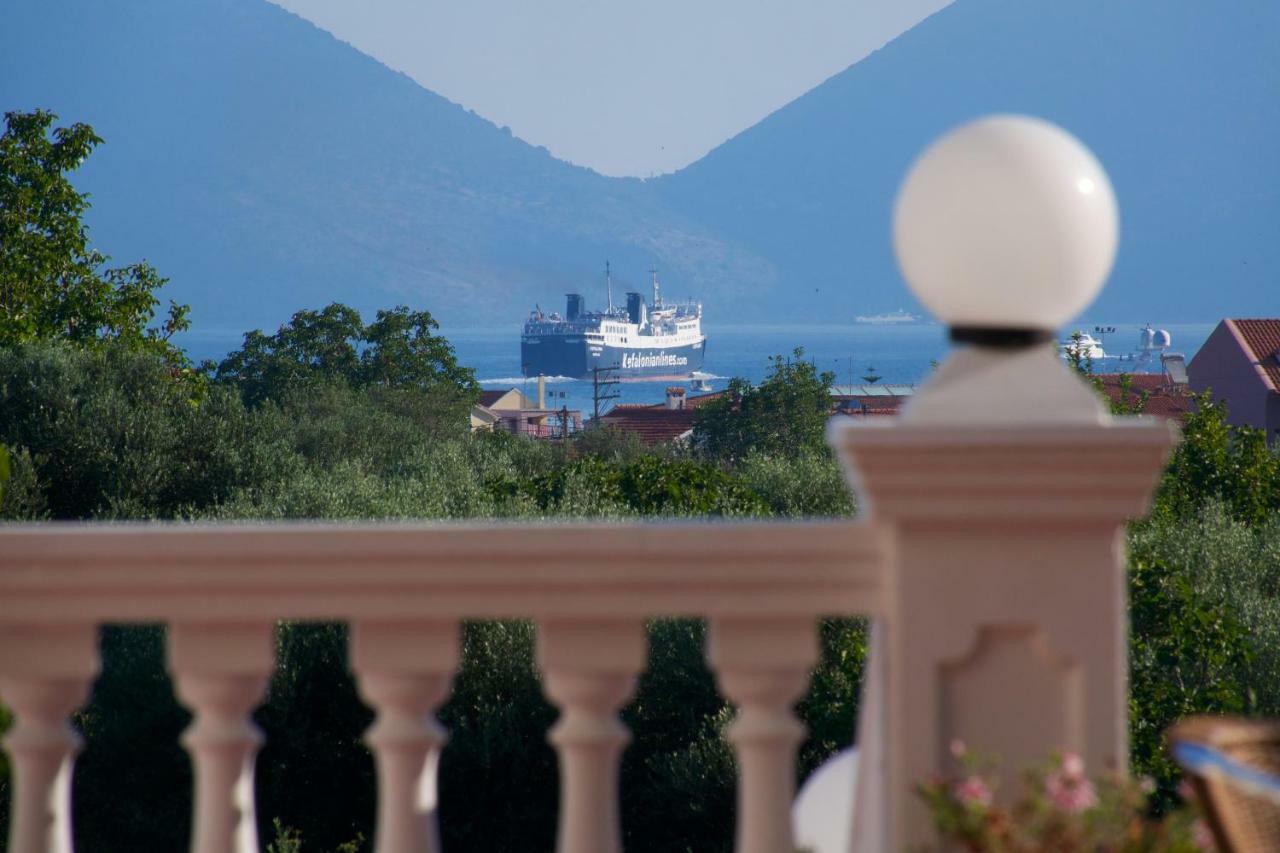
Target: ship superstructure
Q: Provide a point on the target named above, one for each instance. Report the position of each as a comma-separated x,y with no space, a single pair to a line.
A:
639,339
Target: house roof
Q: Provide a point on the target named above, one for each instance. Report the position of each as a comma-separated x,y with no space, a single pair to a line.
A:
869,404
886,390
1164,400
1262,342
696,400
653,425
864,410
689,403
484,413
490,399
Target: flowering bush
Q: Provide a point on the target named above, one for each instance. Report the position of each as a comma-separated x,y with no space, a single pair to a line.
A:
1059,810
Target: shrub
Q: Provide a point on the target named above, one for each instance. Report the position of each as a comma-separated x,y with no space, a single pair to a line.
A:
1205,625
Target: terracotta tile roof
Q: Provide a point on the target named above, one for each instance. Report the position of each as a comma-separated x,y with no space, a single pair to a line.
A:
878,405
1164,400
1169,406
653,425
1262,337
699,399
689,402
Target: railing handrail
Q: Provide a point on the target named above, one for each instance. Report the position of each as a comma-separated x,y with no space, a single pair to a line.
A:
403,589
64,573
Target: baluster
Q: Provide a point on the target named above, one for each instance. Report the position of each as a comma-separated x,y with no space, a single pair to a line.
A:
404,671
589,671
762,666
221,671
44,676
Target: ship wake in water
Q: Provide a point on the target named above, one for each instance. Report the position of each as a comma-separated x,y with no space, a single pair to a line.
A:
516,380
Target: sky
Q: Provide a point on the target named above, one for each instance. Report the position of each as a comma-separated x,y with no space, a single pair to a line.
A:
623,87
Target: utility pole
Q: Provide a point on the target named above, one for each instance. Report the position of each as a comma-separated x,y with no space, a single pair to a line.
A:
602,379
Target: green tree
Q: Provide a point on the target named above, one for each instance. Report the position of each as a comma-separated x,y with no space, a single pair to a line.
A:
786,414
398,351
1218,461
53,283
1078,357
4,471
1188,654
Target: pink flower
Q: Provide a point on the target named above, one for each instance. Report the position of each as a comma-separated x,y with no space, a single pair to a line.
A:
1072,765
957,748
1072,794
973,791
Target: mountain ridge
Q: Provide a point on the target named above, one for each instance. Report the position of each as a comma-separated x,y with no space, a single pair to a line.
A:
1172,97
265,165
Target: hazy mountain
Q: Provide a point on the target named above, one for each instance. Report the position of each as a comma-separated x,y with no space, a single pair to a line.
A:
265,166
1177,97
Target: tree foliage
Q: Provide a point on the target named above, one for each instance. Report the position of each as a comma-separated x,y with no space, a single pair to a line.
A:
1189,654
4,471
786,414
53,283
398,351
1217,461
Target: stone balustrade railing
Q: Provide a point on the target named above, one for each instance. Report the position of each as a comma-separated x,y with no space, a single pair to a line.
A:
404,590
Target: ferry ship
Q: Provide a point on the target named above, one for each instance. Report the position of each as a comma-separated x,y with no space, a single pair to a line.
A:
640,340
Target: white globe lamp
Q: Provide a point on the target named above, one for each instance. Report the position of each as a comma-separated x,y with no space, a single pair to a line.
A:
822,815
1006,228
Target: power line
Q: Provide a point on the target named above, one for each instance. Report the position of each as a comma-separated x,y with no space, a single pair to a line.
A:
602,379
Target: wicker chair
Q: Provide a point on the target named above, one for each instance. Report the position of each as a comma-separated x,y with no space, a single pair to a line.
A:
1234,766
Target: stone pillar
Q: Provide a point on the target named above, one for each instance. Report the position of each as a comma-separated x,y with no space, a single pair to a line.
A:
762,666
589,671
221,672
1007,489
405,671
44,676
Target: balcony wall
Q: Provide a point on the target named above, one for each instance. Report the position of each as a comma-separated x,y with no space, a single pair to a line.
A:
404,590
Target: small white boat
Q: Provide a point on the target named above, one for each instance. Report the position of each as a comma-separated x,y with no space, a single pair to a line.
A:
1087,346
897,318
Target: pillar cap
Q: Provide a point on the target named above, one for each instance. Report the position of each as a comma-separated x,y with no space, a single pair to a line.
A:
1101,473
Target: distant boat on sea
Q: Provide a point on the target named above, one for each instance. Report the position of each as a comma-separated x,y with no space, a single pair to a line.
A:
641,340
1083,345
1152,344
897,318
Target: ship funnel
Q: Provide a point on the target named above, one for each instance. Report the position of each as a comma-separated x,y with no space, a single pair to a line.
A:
573,306
635,308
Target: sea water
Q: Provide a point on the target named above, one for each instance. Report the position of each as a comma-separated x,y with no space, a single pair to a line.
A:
897,354
852,353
